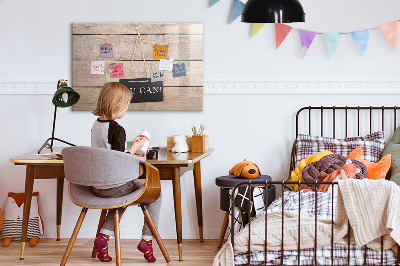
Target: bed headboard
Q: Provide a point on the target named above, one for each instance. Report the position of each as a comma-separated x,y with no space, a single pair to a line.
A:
344,121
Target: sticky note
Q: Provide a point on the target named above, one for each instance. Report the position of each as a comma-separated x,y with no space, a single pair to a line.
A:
97,67
157,75
117,70
160,51
109,79
166,64
179,70
106,50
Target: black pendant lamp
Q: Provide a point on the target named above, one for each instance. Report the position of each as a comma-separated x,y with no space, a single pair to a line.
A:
273,11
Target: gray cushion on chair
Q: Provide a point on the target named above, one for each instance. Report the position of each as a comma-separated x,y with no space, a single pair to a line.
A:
83,196
99,167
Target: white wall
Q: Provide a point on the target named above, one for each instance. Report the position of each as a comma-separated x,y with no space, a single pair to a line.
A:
35,42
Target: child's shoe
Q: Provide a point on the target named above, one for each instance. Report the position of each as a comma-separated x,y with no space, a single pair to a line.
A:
146,247
101,245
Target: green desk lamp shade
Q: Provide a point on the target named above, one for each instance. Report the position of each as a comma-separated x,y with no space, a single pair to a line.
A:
65,96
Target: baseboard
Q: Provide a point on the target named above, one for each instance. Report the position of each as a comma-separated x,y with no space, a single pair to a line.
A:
246,87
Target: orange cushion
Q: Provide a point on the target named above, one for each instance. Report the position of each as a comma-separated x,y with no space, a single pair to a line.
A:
375,170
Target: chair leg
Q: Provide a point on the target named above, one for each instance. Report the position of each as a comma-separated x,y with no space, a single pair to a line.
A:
223,229
101,222
73,237
154,230
117,238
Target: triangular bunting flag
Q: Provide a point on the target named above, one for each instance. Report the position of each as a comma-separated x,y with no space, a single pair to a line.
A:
237,9
213,2
361,38
256,28
306,39
281,31
390,32
332,41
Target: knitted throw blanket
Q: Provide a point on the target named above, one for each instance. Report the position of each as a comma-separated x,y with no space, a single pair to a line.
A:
274,235
371,206
373,209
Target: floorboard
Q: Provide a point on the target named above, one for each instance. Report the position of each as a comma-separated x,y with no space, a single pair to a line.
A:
50,252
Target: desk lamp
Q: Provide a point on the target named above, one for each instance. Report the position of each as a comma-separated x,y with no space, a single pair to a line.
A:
65,96
273,11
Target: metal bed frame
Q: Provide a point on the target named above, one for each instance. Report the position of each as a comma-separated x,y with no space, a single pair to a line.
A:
283,184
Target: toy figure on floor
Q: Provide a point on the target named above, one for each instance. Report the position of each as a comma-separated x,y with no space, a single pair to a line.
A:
13,215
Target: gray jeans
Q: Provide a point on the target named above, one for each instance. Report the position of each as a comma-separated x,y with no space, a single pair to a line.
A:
154,208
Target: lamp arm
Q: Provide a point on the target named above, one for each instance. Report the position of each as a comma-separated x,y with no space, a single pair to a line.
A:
54,126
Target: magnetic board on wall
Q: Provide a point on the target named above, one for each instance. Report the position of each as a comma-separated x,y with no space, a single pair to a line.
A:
185,45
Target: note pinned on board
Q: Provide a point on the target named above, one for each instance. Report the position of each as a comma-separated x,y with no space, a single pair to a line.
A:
97,67
179,70
106,50
109,79
160,51
157,75
166,64
117,70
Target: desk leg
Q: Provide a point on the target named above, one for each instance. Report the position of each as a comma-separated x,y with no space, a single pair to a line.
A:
176,182
27,206
199,204
60,190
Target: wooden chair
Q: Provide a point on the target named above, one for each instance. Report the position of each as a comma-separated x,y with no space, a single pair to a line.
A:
85,167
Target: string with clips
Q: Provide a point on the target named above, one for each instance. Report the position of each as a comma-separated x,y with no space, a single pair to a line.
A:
138,37
344,32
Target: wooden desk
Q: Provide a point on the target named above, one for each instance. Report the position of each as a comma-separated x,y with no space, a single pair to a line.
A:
169,165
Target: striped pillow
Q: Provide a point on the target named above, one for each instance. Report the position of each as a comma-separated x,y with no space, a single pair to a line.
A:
372,145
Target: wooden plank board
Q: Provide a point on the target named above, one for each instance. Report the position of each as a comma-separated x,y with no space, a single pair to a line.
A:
83,78
185,41
181,47
175,99
130,28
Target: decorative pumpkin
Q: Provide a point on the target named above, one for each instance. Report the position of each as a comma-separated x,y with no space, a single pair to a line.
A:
245,169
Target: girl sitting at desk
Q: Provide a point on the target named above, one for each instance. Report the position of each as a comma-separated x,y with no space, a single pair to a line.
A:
106,133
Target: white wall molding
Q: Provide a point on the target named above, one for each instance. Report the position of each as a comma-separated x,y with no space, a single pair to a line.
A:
28,88
244,87
303,87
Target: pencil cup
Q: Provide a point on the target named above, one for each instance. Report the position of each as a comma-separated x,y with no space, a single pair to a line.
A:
200,143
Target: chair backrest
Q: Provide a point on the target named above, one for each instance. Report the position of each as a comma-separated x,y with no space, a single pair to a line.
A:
91,166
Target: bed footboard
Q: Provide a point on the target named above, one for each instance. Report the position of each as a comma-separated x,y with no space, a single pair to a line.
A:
309,256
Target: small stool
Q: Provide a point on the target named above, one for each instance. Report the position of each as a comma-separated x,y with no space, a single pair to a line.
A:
226,183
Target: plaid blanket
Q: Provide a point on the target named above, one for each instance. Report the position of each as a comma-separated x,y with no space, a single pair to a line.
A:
324,257
323,205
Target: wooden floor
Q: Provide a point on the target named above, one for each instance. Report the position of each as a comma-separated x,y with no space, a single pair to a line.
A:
50,252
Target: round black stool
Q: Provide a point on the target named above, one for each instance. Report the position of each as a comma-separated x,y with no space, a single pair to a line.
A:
228,182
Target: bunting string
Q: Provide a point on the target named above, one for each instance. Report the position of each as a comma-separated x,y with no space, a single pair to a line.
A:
361,37
343,33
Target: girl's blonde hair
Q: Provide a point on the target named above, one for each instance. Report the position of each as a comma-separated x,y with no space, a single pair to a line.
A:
112,99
